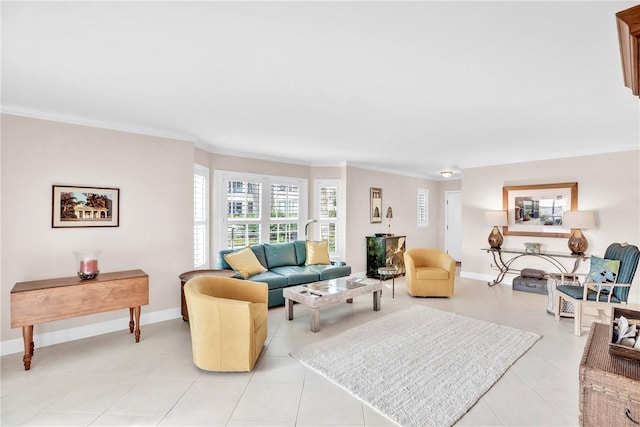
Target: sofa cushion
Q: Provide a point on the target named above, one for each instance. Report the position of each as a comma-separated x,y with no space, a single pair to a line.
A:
317,252
244,262
431,273
297,275
576,292
301,251
327,272
279,254
273,280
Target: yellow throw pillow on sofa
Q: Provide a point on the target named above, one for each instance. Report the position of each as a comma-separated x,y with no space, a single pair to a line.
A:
245,262
317,252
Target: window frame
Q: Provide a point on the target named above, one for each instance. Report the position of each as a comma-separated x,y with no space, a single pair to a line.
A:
422,214
222,177
203,171
316,228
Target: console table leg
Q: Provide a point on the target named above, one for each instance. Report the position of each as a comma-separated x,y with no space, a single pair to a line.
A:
137,320
131,324
376,300
27,337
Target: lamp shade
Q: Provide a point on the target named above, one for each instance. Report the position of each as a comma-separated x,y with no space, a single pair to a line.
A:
389,212
578,219
498,218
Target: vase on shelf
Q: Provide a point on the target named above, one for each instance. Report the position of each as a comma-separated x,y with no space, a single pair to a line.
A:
87,264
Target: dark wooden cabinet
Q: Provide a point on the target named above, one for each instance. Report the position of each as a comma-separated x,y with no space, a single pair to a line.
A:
385,251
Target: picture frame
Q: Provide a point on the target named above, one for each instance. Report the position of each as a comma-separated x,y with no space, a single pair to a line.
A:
375,195
537,210
76,206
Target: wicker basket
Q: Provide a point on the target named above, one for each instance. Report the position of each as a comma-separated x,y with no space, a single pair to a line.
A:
609,385
632,316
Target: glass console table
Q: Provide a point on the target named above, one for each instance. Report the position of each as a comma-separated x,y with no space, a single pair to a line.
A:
503,258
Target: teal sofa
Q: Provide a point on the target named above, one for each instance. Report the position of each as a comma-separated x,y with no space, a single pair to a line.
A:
285,267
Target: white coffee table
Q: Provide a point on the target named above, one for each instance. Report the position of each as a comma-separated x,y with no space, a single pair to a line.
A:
317,294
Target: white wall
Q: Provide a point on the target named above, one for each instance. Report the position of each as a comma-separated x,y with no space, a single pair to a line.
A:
399,192
608,184
155,178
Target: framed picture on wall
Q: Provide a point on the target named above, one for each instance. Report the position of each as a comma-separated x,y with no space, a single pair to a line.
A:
376,204
538,210
85,207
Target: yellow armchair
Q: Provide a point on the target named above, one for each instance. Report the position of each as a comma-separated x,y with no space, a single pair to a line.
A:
429,273
228,321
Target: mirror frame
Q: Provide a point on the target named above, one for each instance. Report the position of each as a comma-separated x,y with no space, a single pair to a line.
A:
567,189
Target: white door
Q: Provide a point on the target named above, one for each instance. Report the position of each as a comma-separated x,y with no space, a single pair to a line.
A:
453,224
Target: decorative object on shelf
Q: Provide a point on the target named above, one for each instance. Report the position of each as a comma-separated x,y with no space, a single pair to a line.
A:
496,219
532,247
389,217
628,22
375,195
578,221
306,227
538,210
87,264
85,207
446,174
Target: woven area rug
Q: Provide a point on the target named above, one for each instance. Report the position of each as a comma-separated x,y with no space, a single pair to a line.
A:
418,366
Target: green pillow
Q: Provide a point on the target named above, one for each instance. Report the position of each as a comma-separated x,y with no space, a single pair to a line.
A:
603,271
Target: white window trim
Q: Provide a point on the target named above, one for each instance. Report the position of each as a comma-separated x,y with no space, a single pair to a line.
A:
340,241
221,177
422,192
204,172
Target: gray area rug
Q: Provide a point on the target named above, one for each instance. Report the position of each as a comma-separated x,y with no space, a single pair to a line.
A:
419,366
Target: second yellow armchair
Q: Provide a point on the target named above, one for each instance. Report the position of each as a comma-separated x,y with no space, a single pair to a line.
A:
429,273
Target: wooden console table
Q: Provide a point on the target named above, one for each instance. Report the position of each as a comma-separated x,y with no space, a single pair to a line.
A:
42,301
504,266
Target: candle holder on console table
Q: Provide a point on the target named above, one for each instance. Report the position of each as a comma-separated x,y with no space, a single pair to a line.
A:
87,264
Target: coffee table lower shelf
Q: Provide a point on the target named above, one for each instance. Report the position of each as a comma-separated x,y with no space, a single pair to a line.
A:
318,294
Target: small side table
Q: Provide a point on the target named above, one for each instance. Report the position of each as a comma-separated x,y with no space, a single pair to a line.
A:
184,278
385,273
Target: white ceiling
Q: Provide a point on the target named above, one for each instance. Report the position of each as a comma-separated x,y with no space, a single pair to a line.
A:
413,87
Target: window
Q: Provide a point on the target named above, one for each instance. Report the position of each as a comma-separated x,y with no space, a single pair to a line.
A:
327,194
423,207
200,217
258,209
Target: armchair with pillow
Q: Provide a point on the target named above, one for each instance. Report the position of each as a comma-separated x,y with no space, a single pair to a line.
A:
607,283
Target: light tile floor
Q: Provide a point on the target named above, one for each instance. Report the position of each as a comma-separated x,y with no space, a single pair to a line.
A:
109,380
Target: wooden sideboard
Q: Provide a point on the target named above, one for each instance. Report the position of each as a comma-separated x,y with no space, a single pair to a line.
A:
46,300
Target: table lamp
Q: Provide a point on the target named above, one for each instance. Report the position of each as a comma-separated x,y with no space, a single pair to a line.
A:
578,221
389,216
497,219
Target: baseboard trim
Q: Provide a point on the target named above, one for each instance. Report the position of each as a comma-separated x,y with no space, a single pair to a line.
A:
484,277
86,331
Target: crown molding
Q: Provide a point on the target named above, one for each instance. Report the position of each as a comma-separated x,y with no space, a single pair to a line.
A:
102,124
